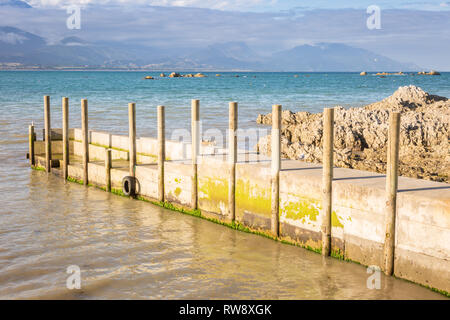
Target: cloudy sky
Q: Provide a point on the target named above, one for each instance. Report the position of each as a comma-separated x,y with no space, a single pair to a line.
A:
264,5
411,31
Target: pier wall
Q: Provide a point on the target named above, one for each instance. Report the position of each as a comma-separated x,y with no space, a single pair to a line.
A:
422,244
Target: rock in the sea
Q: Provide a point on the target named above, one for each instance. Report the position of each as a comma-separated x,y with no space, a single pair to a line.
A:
162,75
400,73
361,135
431,73
199,75
149,78
174,75
363,73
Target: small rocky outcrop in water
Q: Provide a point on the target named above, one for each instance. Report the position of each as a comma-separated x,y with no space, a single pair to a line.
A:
361,135
431,73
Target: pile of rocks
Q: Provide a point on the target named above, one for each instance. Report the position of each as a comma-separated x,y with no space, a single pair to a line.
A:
361,135
188,75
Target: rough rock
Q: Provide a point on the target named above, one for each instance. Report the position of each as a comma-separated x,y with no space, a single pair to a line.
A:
431,73
361,135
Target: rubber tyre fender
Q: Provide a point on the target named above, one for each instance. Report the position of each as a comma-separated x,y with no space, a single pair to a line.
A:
129,186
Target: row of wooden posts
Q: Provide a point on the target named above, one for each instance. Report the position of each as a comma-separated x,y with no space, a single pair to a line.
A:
327,176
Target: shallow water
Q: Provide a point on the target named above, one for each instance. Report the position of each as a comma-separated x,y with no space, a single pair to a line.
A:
129,249
134,250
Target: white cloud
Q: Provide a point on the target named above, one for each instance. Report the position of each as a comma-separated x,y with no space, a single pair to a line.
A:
240,5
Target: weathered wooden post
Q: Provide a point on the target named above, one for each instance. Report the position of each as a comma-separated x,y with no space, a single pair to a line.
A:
108,165
276,166
195,109
65,136
327,178
161,151
232,158
85,139
132,137
31,138
391,191
48,134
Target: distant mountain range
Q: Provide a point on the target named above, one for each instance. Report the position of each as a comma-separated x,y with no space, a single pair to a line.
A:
15,3
28,50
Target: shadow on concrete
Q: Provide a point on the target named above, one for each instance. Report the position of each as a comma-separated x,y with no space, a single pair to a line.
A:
423,189
252,161
354,178
295,169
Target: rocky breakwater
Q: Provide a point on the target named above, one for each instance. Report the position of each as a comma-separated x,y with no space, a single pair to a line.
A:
361,135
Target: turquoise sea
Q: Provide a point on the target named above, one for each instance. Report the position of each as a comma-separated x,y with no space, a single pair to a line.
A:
108,93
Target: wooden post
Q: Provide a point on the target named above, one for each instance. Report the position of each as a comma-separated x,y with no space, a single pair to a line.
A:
31,138
327,178
108,164
161,152
276,165
132,136
232,158
391,191
85,139
48,135
65,133
195,106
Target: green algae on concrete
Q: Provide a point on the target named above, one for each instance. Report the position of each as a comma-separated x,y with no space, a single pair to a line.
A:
38,168
71,179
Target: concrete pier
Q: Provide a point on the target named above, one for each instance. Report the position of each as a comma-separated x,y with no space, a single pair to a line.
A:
358,215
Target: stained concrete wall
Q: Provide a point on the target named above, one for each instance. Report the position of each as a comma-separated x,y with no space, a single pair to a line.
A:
144,146
422,251
213,176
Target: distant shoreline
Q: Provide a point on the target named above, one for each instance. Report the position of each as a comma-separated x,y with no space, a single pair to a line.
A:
209,71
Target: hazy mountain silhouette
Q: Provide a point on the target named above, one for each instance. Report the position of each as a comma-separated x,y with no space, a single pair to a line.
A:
333,57
15,3
23,47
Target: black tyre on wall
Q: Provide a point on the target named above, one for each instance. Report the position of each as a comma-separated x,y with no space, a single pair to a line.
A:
129,186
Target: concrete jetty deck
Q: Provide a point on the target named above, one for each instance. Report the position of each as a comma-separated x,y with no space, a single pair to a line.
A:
422,228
